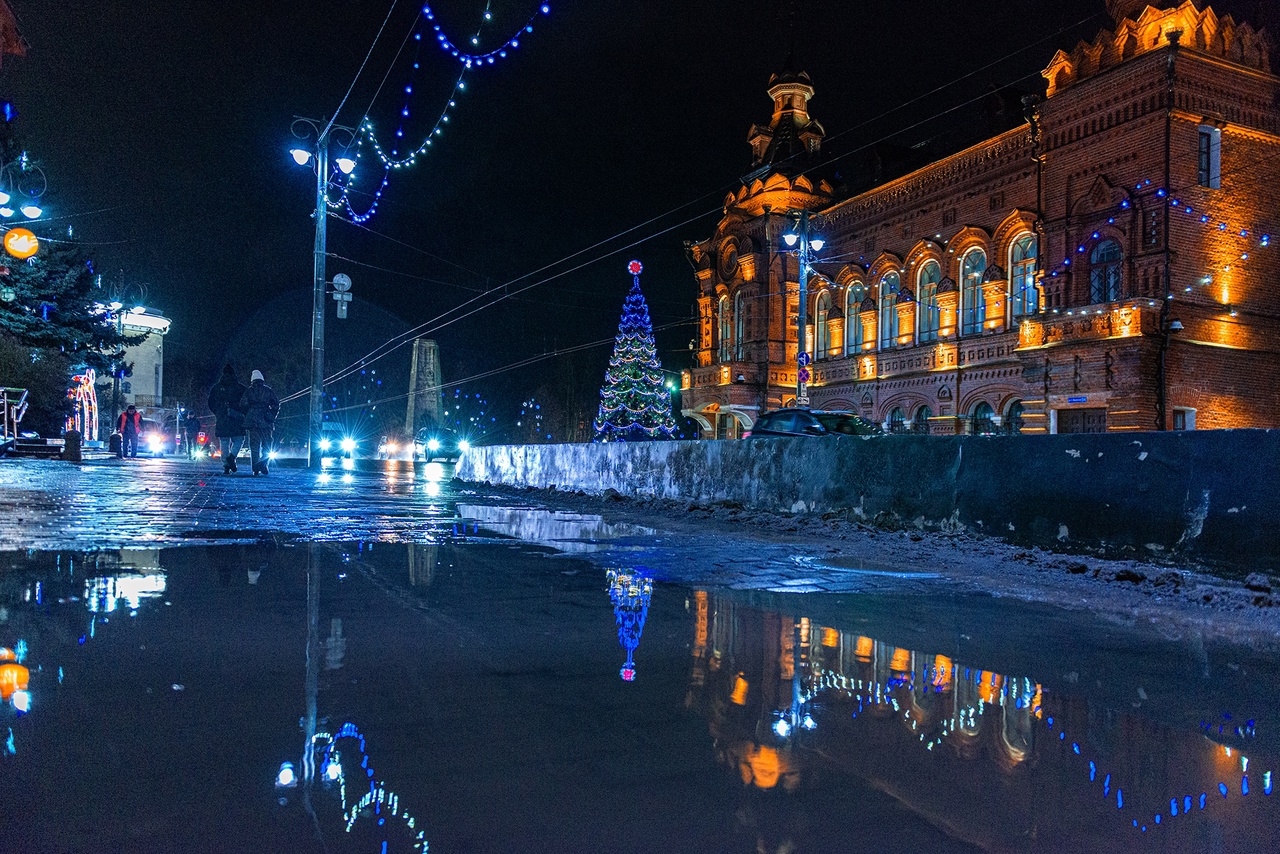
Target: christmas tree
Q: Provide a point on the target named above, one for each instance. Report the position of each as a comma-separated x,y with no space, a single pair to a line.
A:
634,402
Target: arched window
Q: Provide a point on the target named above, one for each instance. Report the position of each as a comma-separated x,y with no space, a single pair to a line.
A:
896,420
984,419
853,297
726,330
739,326
1023,296
1105,263
821,335
1013,420
889,287
928,315
973,310
920,421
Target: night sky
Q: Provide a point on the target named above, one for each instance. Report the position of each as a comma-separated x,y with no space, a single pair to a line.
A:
164,131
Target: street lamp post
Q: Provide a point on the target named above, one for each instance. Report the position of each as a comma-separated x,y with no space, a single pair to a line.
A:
803,245
302,129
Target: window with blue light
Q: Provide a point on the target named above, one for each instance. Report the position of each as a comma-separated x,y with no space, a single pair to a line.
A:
928,314
854,295
973,309
821,334
889,287
1024,297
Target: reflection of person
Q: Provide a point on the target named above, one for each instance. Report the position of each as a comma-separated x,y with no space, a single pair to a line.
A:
129,426
260,406
224,401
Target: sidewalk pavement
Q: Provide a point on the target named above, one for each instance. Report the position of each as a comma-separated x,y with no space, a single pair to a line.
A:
111,503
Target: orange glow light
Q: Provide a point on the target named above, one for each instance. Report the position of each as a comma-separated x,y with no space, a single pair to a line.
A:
21,242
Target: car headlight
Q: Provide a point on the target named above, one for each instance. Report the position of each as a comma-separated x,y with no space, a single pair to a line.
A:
392,447
433,444
348,444
155,442
464,445
325,444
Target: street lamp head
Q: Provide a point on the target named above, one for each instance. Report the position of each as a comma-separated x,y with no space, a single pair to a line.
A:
816,244
1175,326
790,238
346,164
6,211
4,198
31,211
300,156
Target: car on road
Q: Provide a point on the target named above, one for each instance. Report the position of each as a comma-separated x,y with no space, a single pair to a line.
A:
812,422
438,443
155,440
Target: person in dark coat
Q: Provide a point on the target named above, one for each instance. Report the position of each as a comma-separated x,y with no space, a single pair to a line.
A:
191,427
260,406
129,426
224,402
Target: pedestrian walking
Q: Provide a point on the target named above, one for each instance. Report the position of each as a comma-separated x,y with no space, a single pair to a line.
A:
129,426
260,406
192,429
224,402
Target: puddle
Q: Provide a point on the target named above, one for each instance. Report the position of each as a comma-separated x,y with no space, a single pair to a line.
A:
472,696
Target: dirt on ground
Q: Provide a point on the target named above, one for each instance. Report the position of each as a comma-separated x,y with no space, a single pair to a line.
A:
1174,599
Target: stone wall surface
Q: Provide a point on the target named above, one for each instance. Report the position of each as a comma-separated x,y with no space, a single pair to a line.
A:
1209,496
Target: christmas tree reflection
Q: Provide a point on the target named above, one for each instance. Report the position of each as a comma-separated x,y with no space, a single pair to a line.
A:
630,594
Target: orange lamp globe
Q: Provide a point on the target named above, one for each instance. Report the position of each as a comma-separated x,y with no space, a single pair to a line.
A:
21,242
13,677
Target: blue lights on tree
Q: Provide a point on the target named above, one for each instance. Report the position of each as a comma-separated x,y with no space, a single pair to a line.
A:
634,403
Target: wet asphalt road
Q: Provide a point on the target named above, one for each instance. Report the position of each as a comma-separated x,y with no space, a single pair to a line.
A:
468,675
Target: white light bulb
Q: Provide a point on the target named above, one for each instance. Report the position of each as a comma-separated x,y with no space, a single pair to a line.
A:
300,156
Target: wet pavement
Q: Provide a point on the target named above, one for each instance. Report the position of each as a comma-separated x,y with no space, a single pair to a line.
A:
472,676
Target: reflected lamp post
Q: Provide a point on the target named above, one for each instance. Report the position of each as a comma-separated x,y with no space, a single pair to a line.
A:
804,245
317,156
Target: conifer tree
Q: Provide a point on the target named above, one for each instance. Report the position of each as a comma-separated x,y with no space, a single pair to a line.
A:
634,402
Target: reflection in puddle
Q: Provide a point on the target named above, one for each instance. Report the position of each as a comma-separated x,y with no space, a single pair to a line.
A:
482,675
630,594
573,533
996,758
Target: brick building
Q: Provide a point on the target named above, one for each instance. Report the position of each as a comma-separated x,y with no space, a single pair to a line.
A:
1107,264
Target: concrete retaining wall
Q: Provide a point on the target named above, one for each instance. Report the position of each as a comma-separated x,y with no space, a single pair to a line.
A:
1212,495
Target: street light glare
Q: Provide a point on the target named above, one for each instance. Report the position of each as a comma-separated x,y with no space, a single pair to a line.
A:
31,211
300,156
348,444
790,238
346,164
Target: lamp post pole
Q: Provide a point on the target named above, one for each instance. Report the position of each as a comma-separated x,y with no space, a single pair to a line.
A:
802,350
317,301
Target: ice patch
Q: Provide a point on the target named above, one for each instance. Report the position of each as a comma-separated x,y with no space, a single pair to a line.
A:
1063,533
1073,453
1142,456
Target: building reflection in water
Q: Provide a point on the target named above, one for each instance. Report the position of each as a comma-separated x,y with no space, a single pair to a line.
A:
995,759
52,601
630,593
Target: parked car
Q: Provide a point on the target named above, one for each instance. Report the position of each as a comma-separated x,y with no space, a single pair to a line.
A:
812,422
155,441
438,443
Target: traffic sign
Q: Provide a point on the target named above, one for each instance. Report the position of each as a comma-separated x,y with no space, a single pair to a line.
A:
342,282
803,375
804,360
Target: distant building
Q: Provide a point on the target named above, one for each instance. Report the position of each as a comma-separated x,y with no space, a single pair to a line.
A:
145,387
1104,265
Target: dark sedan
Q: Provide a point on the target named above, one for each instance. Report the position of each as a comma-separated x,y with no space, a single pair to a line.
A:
812,422
438,443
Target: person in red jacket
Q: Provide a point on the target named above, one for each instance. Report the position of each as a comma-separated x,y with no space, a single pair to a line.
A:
129,426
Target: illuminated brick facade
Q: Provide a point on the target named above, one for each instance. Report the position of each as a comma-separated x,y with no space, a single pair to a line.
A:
1107,265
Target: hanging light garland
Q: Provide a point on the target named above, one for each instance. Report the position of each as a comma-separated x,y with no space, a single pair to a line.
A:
391,158
469,59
